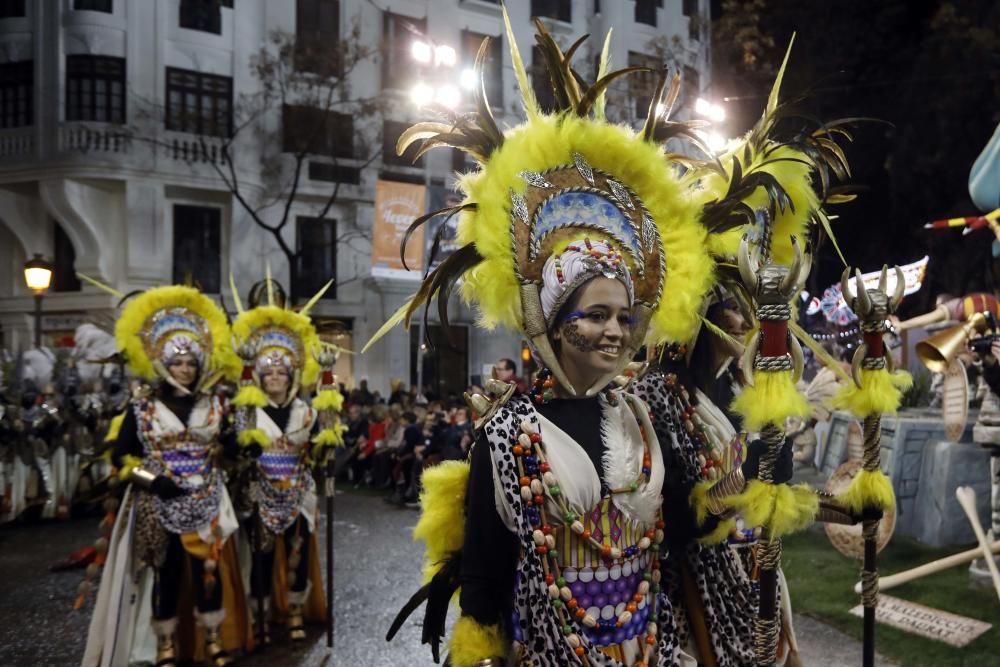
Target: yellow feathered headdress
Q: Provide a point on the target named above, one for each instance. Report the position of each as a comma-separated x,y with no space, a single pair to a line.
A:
570,173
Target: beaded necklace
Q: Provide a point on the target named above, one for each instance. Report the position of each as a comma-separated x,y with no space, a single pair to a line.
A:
156,444
709,453
537,478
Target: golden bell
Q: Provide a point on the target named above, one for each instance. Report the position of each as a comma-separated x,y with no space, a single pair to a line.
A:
938,351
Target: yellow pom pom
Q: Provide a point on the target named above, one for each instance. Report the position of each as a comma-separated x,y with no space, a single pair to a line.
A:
869,488
250,396
720,533
880,393
253,435
772,399
328,399
698,500
114,428
782,508
471,643
331,437
442,518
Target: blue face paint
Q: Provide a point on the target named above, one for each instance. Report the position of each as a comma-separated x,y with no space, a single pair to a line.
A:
574,315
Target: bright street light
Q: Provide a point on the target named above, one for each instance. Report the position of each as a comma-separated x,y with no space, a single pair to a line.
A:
444,55
468,78
716,142
421,51
421,94
713,112
448,96
38,277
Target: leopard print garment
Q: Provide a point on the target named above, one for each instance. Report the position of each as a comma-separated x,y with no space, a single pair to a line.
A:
727,596
538,623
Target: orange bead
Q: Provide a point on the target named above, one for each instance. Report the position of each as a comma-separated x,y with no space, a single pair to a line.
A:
606,550
580,613
585,534
650,639
525,481
637,597
518,450
631,607
572,604
550,579
580,650
650,534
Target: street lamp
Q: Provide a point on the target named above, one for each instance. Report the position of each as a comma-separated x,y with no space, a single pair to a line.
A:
38,277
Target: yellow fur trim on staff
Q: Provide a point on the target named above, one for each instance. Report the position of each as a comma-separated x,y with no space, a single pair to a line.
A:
250,436
137,312
471,643
869,488
615,149
250,395
263,316
328,399
114,428
332,436
782,508
698,500
442,515
880,393
720,533
772,399
128,463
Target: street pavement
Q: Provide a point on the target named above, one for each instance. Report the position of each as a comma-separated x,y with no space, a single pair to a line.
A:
377,567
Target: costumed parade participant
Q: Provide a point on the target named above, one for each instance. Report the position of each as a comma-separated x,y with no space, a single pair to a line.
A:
283,437
169,550
584,237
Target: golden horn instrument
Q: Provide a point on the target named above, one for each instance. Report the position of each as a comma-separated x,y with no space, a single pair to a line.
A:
939,350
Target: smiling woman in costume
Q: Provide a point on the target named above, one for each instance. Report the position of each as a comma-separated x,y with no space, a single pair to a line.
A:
587,239
176,516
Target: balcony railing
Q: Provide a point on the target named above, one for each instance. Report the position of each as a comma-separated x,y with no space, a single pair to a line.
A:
193,149
88,139
16,143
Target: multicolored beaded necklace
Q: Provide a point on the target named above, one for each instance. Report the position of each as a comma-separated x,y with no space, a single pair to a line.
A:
709,452
537,478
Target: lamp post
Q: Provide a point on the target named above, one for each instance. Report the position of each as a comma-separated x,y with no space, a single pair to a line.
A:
38,276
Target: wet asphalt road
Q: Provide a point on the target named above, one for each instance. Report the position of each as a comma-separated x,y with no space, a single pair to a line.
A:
377,567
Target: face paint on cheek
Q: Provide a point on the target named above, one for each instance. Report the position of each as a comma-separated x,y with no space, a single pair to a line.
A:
571,334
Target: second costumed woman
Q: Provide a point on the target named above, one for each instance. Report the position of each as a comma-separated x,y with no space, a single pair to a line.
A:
283,437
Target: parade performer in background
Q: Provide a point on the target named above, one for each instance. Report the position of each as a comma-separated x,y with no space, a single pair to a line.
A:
168,551
582,236
282,436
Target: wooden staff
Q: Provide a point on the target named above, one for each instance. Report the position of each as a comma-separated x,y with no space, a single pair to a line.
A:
967,499
935,566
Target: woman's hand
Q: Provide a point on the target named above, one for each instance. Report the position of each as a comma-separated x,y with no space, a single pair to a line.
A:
166,488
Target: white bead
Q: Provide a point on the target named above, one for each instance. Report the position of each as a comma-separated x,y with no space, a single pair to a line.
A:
701,460
625,618
713,473
527,427
573,640
550,541
525,493
539,537
616,572
536,487
627,568
565,593
601,573
553,591
656,576
643,543
590,621
586,575
659,535
616,553
607,613
651,628
569,574
643,588
577,527
524,441
550,479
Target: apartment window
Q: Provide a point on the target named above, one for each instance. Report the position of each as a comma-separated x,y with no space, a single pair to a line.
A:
95,89
492,67
317,255
93,5
317,36
10,9
690,9
198,247
203,15
645,11
17,93
642,85
541,84
311,130
398,33
561,10
390,135
199,103
63,262
334,173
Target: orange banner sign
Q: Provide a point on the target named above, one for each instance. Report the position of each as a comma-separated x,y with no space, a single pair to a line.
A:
397,205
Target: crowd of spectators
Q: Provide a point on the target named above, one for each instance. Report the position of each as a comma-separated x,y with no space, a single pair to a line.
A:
389,443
